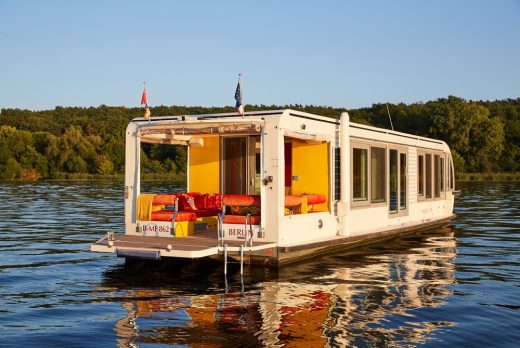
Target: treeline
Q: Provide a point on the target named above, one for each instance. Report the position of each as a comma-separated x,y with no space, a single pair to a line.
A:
484,136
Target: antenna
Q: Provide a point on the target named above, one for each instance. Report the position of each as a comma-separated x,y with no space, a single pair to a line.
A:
389,117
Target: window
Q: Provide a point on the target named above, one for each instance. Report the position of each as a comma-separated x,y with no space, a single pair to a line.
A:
428,174
394,183
442,171
436,176
359,174
377,174
402,181
420,174
451,179
448,176
397,181
433,170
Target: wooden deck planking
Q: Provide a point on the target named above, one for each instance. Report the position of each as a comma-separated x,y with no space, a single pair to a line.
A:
198,242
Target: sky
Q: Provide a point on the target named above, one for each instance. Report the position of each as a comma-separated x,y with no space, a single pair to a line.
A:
343,53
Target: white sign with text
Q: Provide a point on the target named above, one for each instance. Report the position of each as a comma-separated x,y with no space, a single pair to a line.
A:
238,232
156,228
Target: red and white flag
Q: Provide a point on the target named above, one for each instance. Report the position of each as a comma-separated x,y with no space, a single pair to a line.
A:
144,98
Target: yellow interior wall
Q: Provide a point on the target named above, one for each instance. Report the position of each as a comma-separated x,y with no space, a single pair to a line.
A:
204,173
310,163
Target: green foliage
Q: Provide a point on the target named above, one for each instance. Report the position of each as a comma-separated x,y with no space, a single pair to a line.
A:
484,136
469,130
75,164
104,165
10,170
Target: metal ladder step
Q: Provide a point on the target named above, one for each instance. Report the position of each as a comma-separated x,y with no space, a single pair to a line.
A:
241,259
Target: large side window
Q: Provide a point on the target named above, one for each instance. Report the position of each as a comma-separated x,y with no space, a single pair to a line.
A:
451,177
377,174
428,175
359,174
442,172
394,180
397,202
448,174
420,176
436,176
403,182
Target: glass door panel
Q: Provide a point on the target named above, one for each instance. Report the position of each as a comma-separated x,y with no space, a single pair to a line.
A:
234,173
394,181
402,181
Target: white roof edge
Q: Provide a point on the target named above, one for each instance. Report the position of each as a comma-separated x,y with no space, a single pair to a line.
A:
307,114
392,132
217,115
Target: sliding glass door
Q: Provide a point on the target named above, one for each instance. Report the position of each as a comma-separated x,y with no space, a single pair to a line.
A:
241,165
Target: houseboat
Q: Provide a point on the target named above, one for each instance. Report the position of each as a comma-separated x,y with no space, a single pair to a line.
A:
273,187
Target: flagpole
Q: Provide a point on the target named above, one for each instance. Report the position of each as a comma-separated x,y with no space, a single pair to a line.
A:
241,92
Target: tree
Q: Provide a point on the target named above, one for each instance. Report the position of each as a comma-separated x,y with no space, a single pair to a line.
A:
10,170
469,131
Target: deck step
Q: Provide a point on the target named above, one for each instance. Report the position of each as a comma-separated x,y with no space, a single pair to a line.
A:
139,254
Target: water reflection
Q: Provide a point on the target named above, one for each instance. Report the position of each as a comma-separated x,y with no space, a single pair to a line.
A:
370,296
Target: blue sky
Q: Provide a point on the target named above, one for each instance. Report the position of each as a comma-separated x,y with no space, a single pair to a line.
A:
338,53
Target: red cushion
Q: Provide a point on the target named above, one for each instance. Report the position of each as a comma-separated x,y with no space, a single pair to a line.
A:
213,201
240,219
241,200
183,200
200,201
166,215
292,200
164,199
314,198
206,212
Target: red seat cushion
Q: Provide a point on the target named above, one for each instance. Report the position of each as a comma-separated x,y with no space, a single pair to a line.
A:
241,219
241,200
200,201
292,200
213,201
187,201
164,199
315,198
209,201
206,212
166,215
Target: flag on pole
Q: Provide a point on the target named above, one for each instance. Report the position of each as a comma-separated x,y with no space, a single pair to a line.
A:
144,101
144,98
238,97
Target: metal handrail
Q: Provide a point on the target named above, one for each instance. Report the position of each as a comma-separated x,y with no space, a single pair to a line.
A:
250,243
174,217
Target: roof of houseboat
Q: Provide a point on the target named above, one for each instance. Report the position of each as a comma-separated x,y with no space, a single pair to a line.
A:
287,112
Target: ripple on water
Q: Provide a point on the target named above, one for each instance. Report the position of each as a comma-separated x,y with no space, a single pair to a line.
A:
453,286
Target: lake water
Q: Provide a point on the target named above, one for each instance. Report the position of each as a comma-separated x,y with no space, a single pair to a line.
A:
451,287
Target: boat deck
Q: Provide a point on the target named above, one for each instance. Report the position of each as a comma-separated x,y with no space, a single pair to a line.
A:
201,244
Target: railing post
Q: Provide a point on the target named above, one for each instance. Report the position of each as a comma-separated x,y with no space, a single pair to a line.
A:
225,259
241,259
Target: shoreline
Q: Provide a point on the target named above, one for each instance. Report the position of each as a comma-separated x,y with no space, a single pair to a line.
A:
466,177
463,177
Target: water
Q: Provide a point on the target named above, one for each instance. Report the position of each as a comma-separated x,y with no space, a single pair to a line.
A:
450,287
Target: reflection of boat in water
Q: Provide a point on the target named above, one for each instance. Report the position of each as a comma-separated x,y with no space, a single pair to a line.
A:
371,298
